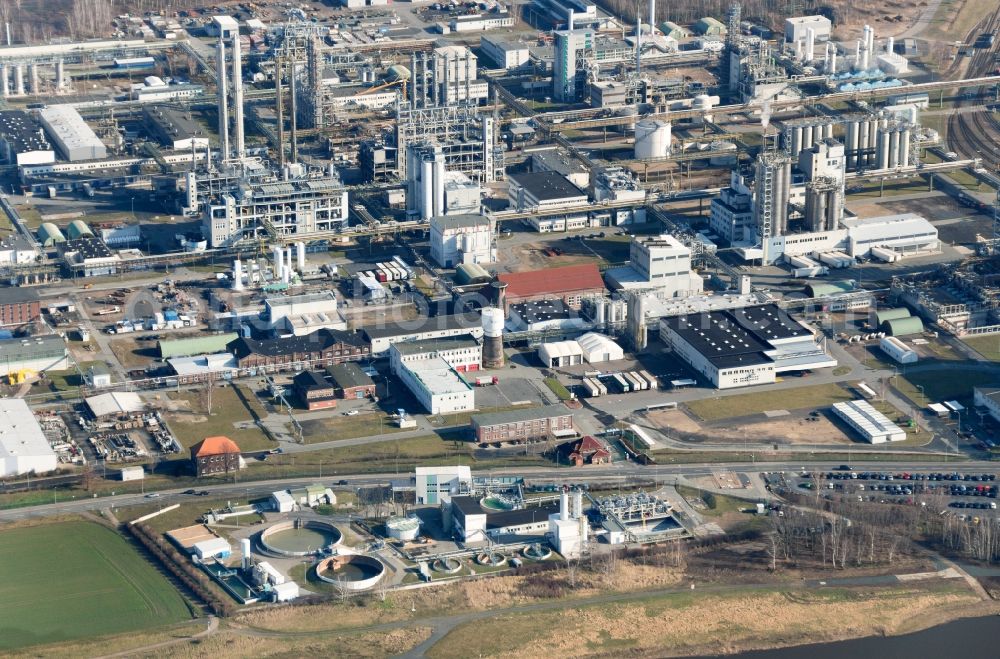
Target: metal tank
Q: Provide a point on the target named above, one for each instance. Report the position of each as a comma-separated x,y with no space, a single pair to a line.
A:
652,139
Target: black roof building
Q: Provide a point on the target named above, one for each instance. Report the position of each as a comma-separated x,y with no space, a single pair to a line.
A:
422,325
348,376
465,506
547,186
318,341
21,133
310,381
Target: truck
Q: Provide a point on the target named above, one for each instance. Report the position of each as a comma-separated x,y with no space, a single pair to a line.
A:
486,380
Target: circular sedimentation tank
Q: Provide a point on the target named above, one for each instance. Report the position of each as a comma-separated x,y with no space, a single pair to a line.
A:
494,559
447,565
495,503
537,552
351,571
299,538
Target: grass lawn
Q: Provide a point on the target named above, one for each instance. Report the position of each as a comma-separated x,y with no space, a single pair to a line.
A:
723,503
987,345
228,408
557,388
78,579
348,427
727,407
943,385
954,18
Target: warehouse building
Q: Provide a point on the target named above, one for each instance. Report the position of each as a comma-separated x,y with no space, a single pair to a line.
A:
744,347
569,283
22,140
70,134
24,448
504,53
350,381
323,347
899,351
868,422
37,353
523,426
560,354
19,306
437,386
88,256
463,352
194,346
314,391
381,336
543,191
15,249
174,127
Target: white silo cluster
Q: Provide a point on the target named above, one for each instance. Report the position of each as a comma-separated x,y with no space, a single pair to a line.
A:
830,59
283,259
569,529
878,142
805,50
34,79
799,136
425,181
864,50
237,275
652,139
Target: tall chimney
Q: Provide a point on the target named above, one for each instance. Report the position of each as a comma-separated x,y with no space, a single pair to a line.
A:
295,112
652,15
279,102
220,68
238,95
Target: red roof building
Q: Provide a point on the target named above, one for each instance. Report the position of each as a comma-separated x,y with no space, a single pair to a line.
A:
215,455
589,451
569,283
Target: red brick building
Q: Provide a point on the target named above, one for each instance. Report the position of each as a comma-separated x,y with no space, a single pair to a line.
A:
323,347
350,381
314,391
589,451
19,306
524,426
569,284
215,455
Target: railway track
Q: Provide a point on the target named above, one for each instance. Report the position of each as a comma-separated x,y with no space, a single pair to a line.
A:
976,134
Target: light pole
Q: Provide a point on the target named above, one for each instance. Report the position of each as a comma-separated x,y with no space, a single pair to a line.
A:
923,396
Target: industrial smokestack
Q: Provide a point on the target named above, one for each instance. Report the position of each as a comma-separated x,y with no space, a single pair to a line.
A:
238,95
564,504
220,68
60,75
279,102
295,112
33,75
5,80
237,275
638,43
652,15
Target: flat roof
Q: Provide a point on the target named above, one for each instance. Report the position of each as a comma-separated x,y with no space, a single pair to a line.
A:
541,311
422,325
442,344
23,133
547,186
867,418
317,341
35,347
522,414
20,434
117,402
18,295
464,221
438,376
66,125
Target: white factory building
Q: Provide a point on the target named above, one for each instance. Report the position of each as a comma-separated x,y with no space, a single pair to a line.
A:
437,386
569,529
23,446
591,348
462,353
744,347
989,398
383,335
432,191
70,134
873,426
436,485
455,70
462,239
504,53
300,315
657,263
897,350
797,27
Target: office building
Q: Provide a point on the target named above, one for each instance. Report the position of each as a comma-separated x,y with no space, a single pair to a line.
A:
438,387
524,426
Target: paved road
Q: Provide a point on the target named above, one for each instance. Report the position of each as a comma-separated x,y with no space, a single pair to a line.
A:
923,22
619,471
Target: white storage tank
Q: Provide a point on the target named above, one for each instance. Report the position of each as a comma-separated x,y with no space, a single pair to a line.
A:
493,322
403,528
652,139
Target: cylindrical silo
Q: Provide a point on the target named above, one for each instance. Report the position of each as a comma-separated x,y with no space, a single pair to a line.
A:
852,144
19,80
796,141
577,503
5,80
893,154
278,260
863,127
834,207
33,76
493,321
300,253
60,74
904,146
828,131
652,139
427,189
237,275
439,184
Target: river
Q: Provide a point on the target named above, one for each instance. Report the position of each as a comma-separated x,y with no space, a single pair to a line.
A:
970,637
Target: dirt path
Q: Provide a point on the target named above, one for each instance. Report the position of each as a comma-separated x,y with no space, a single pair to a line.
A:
213,626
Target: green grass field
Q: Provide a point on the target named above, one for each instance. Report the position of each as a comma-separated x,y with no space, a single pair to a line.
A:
74,580
987,345
727,407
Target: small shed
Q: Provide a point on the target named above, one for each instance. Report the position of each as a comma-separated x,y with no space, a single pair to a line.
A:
282,501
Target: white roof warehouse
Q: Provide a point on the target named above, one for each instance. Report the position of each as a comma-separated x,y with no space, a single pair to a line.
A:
23,446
